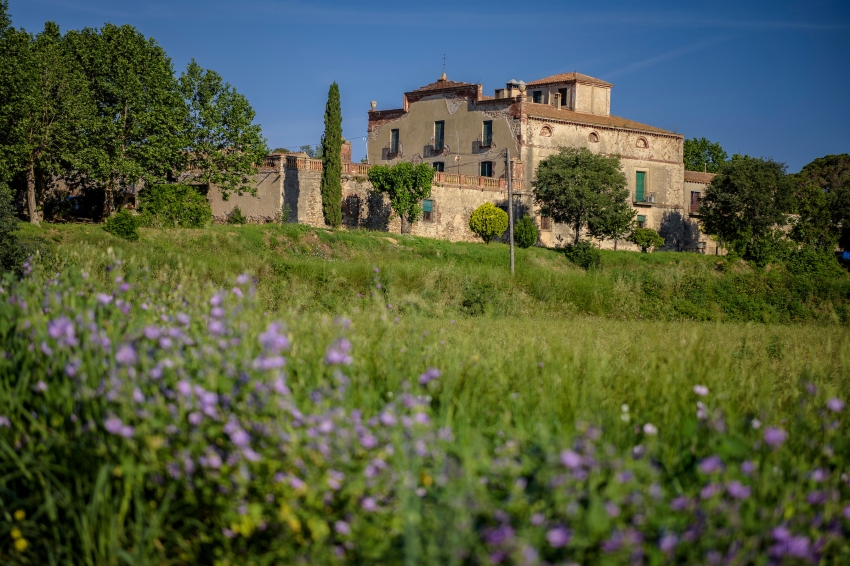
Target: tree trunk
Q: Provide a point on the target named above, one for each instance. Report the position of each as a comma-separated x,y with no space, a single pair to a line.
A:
109,198
578,232
615,244
406,225
33,210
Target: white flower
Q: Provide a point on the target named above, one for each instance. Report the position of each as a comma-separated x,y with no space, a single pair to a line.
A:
756,424
625,417
650,429
701,390
624,408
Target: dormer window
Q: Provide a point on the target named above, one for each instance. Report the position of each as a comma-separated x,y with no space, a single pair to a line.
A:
537,96
564,101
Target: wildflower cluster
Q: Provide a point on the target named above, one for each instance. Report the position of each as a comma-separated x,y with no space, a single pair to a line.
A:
200,434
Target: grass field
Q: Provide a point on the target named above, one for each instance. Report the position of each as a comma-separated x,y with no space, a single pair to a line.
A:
415,405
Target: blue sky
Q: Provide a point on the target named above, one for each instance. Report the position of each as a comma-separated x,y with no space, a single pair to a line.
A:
764,78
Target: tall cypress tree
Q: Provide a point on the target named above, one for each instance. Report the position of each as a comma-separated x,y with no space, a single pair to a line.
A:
332,160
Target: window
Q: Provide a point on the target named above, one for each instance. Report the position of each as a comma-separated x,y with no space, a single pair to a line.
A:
546,132
641,142
439,166
563,93
487,136
593,137
537,96
695,198
640,186
428,210
545,222
439,135
486,168
641,219
394,142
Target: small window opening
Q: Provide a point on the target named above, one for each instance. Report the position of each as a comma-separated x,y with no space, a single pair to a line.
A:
486,168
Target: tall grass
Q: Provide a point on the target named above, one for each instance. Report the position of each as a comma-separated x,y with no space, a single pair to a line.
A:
545,437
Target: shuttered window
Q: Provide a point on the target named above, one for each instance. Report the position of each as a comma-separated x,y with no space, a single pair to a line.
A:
486,168
641,220
427,210
439,166
439,135
394,142
640,186
487,136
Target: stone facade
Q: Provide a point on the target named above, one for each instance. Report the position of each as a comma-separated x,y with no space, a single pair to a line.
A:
469,150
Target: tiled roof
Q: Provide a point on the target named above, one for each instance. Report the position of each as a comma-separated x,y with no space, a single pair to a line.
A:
568,78
550,112
699,177
441,84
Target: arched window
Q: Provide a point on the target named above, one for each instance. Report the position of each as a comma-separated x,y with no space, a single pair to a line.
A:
641,142
546,131
593,137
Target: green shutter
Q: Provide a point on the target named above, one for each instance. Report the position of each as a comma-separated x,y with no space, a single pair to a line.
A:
641,218
640,183
427,206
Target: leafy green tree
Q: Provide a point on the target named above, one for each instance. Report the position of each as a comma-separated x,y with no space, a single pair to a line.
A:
332,160
138,130
406,185
173,206
703,155
488,222
646,239
123,224
45,108
612,222
746,202
822,203
224,144
578,187
281,150
525,232
8,226
314,152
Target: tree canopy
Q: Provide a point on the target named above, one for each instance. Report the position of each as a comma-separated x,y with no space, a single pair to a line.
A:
488,222
822,203
703,155
224,144
578,187
406,185
746,202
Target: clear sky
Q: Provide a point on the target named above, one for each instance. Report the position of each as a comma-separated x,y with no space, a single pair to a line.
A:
765,78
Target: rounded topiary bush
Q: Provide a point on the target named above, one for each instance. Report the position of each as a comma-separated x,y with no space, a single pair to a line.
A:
123,224
584,254
488,222
525,232
646,238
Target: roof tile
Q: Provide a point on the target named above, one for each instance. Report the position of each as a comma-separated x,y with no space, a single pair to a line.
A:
547,111
567,78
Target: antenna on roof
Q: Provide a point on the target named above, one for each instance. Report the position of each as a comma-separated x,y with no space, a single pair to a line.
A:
444,63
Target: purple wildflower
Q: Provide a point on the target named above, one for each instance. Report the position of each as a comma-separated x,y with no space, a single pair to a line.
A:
558,537
711,464
430,375
737,490
104,299
240,438
41,386
215,327
775,437
184,388
62,330
820,475
387,419
138,397
296,484
237,291
710,491
215,300
152,332
217,312
126,355
701,390
368,441
369,504
612,509
503,534
269,363
747,467
538,519
45,349
4,421
228,533
835,405
668,543
335,479
339,352
183,318
844,513
571,459
195,418
817,498
242,279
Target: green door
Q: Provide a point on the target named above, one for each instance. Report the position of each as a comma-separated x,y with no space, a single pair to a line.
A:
640,183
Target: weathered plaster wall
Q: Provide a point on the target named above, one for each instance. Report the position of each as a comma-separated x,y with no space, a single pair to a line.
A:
265,207
464,127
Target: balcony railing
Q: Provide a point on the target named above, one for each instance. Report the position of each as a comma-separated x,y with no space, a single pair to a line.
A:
647,198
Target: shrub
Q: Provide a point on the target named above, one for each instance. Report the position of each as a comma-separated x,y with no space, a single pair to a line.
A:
123,224
173,206
236,216
488,222
584,254
646,238
525,232
476,297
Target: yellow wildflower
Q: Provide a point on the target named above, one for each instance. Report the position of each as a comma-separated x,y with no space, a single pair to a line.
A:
21,545
16,533
20,515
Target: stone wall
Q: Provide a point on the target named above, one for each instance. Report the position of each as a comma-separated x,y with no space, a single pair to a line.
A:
265,207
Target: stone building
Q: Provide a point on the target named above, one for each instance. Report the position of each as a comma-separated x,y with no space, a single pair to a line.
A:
462,131
467,137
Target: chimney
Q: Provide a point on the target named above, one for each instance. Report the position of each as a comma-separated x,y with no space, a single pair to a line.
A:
557,101
345,151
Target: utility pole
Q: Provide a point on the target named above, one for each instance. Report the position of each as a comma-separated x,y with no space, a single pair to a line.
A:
510,206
